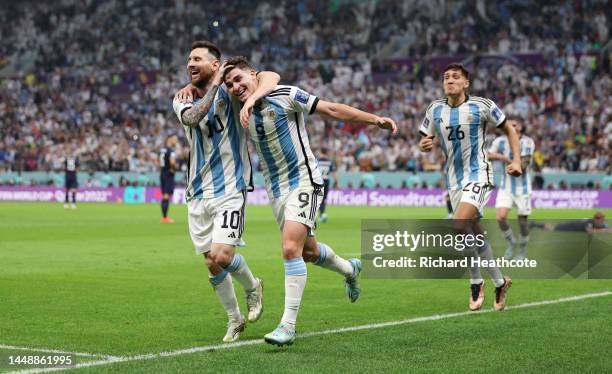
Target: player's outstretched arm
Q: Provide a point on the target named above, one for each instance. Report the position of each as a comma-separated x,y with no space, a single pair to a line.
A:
266,82
514,168
493,156
346,113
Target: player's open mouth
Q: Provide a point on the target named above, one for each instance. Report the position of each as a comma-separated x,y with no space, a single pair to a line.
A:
194,74
242,94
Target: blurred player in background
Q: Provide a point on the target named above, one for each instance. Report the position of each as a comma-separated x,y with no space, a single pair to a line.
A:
294,181
71,167
514,190
460,121
328,167
167,165
590,226
449,206
218,178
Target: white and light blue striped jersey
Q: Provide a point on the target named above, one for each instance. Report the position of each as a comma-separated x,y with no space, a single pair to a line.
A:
327,167
462,131
515,185
278,131
218,158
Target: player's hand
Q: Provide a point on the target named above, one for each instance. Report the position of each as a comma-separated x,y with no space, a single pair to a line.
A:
218,77
188,94
246,111
426,143
386,123
514,169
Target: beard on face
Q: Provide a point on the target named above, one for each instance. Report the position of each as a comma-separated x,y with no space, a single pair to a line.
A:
199,77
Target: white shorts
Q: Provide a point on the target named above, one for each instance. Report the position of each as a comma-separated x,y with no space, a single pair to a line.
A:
506,199
299,205
217,220
476,194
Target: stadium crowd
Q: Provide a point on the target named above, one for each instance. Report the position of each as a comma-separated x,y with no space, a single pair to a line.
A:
96,78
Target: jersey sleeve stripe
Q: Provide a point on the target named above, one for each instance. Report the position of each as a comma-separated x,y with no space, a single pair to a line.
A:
281,90
314,105
488,104
278,94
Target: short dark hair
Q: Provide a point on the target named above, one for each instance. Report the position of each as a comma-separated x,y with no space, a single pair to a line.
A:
458,66
239,62
212,48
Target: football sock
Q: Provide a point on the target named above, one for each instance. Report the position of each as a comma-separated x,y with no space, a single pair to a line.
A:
522,242
475,276
66,197
328,259
74,197
240,270
485,253
295,281
225,291
449,206
509,236
164,205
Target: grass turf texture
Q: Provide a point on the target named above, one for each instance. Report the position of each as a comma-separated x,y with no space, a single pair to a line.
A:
111,279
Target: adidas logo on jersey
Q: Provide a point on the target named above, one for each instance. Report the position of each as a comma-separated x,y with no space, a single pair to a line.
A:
232,235
303,215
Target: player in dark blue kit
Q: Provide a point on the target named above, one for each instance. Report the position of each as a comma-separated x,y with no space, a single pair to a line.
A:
327,167
590,226
71,166
167,164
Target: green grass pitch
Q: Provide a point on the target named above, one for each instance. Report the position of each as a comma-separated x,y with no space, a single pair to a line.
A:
113,280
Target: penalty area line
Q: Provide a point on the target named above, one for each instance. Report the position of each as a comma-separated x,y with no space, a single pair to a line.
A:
371,326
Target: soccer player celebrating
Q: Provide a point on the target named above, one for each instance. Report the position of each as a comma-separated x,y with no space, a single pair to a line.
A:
516,190
167,165
71,166
293,180
460,121
327,166
218,177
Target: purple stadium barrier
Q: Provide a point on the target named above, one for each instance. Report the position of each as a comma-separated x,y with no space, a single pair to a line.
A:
586,199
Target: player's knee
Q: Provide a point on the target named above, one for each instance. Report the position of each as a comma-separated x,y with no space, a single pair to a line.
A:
221,258
291,249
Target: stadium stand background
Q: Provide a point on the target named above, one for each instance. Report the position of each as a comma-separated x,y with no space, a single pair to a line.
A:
96,77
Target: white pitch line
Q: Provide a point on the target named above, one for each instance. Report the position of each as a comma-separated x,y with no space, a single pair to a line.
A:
371,326
47,350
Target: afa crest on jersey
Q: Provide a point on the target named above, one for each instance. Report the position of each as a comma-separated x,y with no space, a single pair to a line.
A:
221,105
271,114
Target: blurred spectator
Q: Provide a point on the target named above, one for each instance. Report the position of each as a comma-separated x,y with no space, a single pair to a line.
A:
99,75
